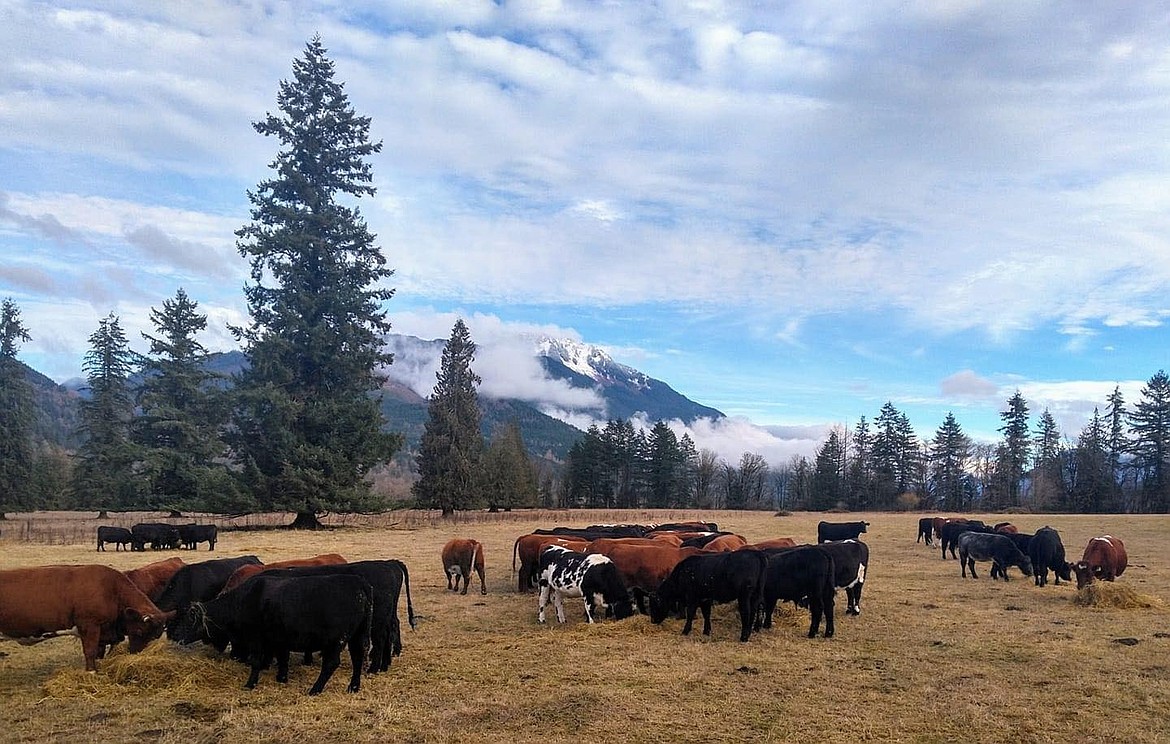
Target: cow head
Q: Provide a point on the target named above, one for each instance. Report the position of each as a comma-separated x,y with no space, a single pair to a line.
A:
658,608
1064,571
1084,574
190,626
142,628
1025,565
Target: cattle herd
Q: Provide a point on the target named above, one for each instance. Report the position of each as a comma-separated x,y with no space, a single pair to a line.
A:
259,613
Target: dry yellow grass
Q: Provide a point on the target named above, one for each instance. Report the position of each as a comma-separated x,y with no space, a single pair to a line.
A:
932,658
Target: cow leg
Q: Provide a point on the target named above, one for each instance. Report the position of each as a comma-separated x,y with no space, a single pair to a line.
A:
357,659
259,662
282,666
447,571
91,636
746,613
466,578
827,606
706,608
307,660
482,585
816,609
542,602
559,604
330,660
690,615
769,608
588,597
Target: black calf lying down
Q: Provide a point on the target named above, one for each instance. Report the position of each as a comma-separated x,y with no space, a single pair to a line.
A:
702,580
803,574
272,616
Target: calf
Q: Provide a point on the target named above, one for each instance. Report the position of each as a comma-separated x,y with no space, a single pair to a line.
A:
801,575
594,578
700,581
925,528
840,530
190,535
120,536
272,615
460,557
1047,552
527,549
850,564
999,549
1104,558
36,603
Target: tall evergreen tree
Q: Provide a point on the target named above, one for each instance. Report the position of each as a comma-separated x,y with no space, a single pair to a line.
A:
452,445
950,451
509,478
181,415
1014,451
104,476
1091,482
828,481
308,421
1117,444
1048,488
665,467
688,478
859,468
17,415
896,456
1150,444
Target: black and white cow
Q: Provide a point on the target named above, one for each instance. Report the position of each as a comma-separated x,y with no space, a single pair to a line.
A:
1047,552
120,536
700,581
272,615
804,576
840,530
190,535
997,548
850,563
594,578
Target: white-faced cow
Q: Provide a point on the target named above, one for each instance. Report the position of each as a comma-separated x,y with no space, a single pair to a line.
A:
594,578
997,548
1104,558
461,556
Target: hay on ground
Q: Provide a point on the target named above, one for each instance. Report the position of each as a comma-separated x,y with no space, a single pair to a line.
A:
160,666
1117,596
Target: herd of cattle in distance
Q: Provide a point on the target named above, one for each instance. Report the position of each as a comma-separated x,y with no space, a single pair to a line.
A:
677,569
1035,555
263,612
158,536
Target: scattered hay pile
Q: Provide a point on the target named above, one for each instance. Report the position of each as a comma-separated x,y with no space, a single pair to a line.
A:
160,666
1117,596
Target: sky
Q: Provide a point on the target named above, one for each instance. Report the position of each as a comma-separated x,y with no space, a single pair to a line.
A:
792,212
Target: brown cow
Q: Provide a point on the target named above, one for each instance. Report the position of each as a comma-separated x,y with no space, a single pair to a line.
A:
243,573
643,567
527,548
772,542
151,578
460,557
37,603
1006,528
1105,558
937,523
725,544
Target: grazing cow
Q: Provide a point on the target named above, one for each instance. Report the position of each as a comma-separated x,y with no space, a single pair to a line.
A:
190,535
120,536
199,582
772,542
1021,539
460,557
1105,558
528,548
938,523
953,529
850,564
999,549
925,528
724,543
153,577
840,530
804,576
594,531
272,615
36,603
643,567
158,535
1047,552
1005,528
686,527
247,571
388,578
594,578
700,581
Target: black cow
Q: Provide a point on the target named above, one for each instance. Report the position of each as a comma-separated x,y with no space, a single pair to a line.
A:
701,541
702,580
850,564
997,548
685,527
803,575
120,536
1022,540
840,530
198,582
158,535
925,530
1047,552
272,615
567,573
190,535
387,578
951,531
594,531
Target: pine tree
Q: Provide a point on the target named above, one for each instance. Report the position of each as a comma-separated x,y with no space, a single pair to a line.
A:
104,476
859,468
950,452
509,478
17,415
180,417
895,455
1117,444
1048,489
1150,443
308,420
452,445
828,482
664,467
1090,488
1014,450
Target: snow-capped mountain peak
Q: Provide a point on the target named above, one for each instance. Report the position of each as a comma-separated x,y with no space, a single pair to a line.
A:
589,361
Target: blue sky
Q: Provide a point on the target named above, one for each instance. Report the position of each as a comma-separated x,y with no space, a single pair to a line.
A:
791,212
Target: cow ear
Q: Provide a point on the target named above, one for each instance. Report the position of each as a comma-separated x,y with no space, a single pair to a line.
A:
132,614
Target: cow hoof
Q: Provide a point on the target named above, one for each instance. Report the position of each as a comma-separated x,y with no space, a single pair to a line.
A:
314,691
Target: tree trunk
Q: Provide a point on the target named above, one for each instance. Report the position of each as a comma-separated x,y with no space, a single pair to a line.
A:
448,511
103,514
306,521
175,514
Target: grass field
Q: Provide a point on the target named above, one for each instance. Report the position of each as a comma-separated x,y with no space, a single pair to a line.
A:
932,658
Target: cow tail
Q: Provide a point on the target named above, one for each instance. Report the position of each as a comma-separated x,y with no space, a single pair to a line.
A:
409,606
515,552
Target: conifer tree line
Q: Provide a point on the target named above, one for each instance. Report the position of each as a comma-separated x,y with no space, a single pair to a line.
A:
1118,463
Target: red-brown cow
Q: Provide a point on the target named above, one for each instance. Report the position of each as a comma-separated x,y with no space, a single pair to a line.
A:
772,542
37,603
460,557
643,567
725,544
151,578
1105,558
1006,528
527,549
243,573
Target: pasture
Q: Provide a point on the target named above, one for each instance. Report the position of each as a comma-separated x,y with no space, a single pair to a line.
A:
932,657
